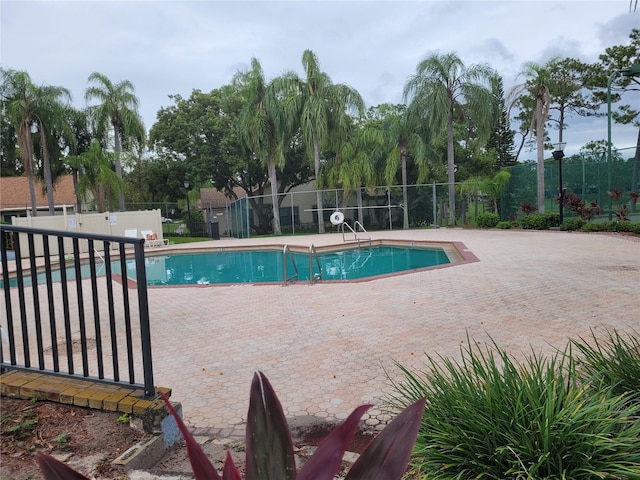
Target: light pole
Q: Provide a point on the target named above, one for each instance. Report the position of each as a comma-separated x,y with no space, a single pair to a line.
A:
558,154
187,186
631,71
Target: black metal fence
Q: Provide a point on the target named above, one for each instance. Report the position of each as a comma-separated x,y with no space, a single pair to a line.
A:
68,306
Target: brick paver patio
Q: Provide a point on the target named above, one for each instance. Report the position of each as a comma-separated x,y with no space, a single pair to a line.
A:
325,348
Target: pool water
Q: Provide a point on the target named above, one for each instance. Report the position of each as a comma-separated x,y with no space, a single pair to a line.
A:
267,265
260,266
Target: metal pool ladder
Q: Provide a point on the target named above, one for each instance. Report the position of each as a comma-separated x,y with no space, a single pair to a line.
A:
286,253
313,278
354,230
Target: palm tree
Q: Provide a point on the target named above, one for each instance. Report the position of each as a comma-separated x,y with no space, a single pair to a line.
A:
20,95
96,175
446,90
356,163
50,116
262,127
118,109
536,87
323,108
401,129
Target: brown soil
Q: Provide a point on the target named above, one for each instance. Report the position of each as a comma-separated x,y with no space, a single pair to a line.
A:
88,440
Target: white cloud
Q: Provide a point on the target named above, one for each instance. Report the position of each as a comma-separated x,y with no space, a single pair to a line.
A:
169,47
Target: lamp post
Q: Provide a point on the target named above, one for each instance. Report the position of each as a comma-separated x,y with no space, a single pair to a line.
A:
631,71
558,154
187,186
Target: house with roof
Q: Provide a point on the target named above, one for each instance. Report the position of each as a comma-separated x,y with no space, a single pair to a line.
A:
15,200
215,207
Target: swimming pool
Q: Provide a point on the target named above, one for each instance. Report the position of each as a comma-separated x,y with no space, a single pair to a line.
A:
264,266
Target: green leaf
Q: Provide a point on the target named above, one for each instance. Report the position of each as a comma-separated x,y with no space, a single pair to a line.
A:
269,449
387,456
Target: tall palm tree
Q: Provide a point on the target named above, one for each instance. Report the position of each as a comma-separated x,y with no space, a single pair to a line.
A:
50,116
323,108
537,87
262,127
401,130
445,90
356,163
20,95
117,108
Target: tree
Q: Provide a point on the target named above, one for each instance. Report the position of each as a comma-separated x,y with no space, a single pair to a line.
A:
262,127
445,90
118,109
50,115
614,58
501,138
323,109
568,82
355,163
197,138
97,176
20,95
401,127
536,87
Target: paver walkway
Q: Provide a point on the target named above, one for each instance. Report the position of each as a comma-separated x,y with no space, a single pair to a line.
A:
325,348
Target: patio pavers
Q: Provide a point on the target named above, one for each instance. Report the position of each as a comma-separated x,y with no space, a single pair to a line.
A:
329,347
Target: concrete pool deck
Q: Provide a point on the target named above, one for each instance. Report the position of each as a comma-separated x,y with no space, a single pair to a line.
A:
325,348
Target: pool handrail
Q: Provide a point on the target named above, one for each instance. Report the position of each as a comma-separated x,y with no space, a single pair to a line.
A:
313,254
286,250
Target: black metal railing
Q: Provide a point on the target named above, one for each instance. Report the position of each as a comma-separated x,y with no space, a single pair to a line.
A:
68,310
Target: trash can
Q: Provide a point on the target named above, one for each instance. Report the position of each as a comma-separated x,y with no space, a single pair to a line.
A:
214,230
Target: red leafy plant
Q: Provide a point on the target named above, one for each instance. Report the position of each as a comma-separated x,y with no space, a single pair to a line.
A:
269,448
578,205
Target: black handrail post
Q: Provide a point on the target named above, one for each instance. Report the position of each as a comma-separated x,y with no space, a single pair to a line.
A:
145,330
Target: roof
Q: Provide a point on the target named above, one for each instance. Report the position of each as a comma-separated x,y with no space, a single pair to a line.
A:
14,193
213,198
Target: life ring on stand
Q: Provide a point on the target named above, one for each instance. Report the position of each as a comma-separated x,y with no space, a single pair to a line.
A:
337,218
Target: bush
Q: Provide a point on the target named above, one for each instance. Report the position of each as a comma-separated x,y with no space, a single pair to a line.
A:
613,362
540,221
593,227
572,224
507,225
488,220
490,416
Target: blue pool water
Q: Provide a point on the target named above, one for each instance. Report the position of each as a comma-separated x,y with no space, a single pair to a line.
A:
259,266
267,265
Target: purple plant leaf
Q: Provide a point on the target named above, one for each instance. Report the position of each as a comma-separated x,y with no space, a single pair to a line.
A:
230,472
387,456
268,445
325,463
53,469
200,464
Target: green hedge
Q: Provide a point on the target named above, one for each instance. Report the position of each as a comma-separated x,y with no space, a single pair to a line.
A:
488,220
540,221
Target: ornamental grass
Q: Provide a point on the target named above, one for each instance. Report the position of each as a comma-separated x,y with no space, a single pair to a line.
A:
490,416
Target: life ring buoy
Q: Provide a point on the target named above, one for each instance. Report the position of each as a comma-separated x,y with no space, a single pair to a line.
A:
337,218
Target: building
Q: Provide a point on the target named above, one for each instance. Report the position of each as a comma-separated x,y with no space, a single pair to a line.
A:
15,200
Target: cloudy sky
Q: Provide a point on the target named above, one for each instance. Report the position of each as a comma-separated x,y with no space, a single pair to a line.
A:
173,47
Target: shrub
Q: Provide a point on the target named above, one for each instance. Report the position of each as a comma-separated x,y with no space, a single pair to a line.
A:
489,416
527,208
506,225
593,227
540,221
613,362
578,205
269,449
488,220
572,224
